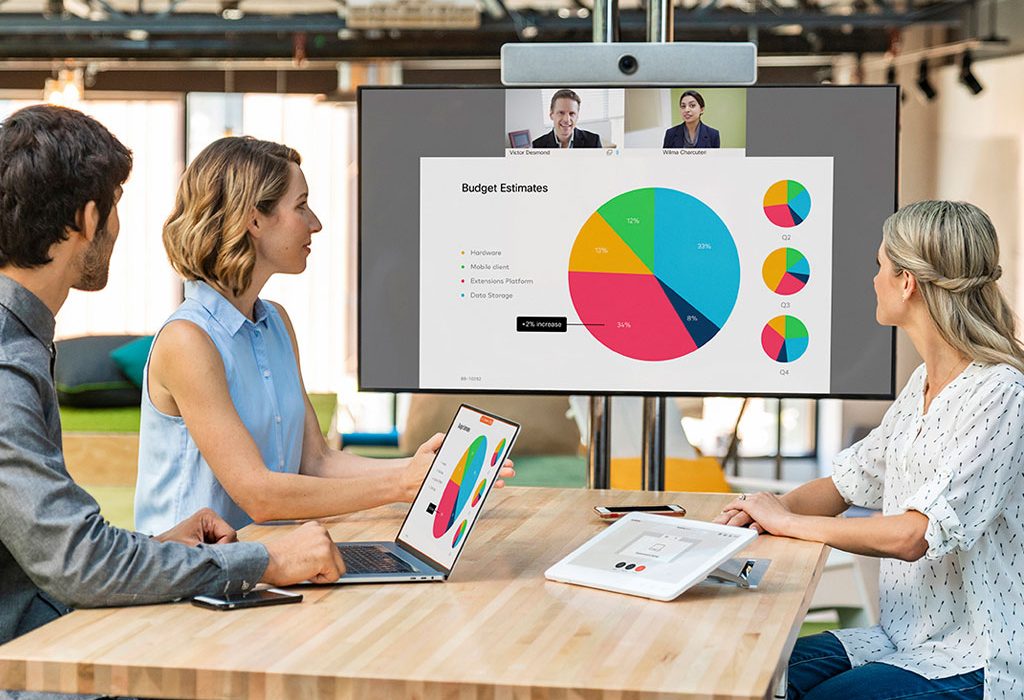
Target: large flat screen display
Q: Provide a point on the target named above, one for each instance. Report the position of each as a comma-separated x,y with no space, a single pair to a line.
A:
625,240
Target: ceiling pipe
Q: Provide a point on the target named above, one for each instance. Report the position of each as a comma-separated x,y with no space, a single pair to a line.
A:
605,21
660,21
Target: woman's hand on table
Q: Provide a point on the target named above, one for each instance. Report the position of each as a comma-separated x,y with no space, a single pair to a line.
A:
764,512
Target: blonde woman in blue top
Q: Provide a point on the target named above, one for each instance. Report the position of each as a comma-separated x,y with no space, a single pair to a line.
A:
226,422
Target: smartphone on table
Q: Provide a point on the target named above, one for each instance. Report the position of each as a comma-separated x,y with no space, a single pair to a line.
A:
616,512
252,599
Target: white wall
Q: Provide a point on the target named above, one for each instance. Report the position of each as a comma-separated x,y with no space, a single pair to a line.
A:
980,140
961,147
320,301
142,289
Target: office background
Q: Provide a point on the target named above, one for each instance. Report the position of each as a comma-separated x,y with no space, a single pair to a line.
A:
315,72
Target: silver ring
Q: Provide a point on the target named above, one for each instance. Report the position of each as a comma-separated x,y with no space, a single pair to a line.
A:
743,496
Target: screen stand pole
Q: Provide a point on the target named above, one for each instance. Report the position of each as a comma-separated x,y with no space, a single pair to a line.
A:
653,457
660,30
599,454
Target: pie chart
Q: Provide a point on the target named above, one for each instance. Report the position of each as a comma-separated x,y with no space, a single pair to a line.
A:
786,271
784,338
478,494
654,274
787,203
497,452
458,534
460,486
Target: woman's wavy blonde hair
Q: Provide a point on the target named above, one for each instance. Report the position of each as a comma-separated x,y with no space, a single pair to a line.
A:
951,248
207,235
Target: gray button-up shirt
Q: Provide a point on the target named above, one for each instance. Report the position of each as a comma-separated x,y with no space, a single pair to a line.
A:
56,550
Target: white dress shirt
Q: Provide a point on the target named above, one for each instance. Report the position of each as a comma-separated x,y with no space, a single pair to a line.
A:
961,606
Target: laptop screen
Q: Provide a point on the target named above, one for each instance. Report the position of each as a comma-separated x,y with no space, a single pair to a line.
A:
460,478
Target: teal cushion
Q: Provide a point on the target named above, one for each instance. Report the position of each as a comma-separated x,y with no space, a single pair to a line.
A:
131,358
87,377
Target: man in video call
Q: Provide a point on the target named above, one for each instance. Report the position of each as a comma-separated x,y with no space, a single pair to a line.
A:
565,112
60,180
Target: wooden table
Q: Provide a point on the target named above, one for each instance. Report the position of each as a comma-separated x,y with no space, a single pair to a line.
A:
497,629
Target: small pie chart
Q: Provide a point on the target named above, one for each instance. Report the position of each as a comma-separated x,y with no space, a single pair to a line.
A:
787,203
478,493
784,338
458,534
497,452
786,271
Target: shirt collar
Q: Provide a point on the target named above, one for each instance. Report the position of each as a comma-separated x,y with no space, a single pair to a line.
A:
222,310
558,144
28,308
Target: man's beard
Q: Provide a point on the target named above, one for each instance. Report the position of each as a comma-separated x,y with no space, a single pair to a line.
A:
96,263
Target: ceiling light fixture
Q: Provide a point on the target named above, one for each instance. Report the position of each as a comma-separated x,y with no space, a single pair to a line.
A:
67,89
967,77
924,84
231,10
892,79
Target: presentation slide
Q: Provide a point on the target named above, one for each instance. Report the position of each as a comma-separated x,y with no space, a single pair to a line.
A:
626,274
453,492
644,240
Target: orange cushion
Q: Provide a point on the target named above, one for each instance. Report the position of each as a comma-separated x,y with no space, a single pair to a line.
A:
703,474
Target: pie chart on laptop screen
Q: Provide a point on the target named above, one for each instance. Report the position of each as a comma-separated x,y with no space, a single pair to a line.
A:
654,274
787,203
459,489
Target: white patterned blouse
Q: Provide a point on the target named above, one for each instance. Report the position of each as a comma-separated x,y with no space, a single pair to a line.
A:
961,606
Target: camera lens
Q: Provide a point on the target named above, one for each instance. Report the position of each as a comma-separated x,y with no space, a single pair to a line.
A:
628,64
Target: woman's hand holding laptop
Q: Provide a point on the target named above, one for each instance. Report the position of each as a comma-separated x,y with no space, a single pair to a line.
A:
419,464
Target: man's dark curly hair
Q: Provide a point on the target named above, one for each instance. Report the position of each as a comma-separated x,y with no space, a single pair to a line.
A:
53,161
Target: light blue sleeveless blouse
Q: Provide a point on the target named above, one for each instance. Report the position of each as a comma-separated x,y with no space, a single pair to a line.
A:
263,378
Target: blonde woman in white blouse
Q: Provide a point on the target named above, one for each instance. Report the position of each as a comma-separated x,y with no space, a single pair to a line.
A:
946,469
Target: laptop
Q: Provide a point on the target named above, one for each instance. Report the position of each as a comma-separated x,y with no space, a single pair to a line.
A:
444,511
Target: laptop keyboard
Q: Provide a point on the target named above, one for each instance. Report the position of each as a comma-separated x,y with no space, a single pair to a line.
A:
372,559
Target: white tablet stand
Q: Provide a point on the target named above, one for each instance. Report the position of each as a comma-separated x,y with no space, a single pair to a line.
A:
741,572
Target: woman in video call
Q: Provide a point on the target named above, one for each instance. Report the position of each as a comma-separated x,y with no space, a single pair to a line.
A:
226,422
945,470
692,133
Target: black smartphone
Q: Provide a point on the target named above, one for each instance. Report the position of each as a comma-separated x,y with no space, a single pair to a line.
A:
615,512
252,599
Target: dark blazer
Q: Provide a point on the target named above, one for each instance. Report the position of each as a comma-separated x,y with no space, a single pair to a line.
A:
580,139
706,137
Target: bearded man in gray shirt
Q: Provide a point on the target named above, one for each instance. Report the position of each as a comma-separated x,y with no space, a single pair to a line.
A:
60,181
